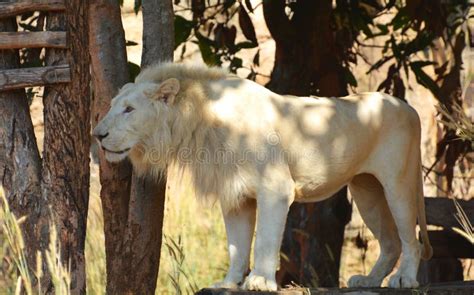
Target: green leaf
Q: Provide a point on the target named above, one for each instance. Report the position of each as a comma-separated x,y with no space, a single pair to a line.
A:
133,70
206,40
235,64
349,77
246,45
379,63
422,78
246,25
228,3
207,54
256,58
383,30
401,19
361,24
422,41
182,30
422,63
248,4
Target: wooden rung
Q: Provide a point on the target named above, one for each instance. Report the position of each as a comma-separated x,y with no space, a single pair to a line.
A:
12,8
13,40
448,244
29,77
442,211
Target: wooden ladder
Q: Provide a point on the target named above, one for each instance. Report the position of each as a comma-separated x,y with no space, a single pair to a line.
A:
38,76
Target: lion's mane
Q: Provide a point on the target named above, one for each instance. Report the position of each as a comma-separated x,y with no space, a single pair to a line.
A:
186,130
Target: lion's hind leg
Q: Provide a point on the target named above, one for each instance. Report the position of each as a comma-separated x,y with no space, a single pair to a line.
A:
368,195
401,198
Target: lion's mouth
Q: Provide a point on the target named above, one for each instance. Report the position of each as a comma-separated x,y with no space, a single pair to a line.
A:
115,152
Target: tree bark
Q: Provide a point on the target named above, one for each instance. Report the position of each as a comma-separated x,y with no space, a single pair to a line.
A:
133,207
32,40
158,31
58,186
110,72
65,175
309,60
14,8
20,162
147,200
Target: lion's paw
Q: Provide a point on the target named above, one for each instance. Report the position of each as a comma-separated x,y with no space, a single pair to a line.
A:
259,283
363,281
402,281
224,285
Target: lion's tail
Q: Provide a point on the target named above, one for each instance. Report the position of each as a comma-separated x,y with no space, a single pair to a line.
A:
427,249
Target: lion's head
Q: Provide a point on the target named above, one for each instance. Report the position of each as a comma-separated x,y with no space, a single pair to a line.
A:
137,114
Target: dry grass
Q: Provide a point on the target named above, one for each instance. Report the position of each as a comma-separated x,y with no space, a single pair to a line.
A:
19,274
192,232
17,278
194,253
458,121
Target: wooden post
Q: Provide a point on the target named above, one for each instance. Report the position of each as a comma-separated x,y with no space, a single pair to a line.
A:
10,40
30,77
9,9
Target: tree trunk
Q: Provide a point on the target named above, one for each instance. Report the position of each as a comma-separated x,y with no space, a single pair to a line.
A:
315,66
147,200
158,31
20,162
65,175
110,72
133,207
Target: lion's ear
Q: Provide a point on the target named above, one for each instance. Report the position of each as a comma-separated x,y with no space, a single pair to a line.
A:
167,90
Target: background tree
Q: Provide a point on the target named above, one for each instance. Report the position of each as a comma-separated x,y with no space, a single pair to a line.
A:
133,206
109,73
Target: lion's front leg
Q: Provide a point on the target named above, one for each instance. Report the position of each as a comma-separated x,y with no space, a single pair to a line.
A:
240,227
272,213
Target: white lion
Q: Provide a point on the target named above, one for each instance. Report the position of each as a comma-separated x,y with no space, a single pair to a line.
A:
253,149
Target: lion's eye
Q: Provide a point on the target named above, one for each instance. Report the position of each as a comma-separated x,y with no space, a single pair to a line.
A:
128,109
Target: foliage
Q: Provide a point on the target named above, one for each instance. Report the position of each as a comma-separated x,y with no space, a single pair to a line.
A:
417,34
458,121
411,33
211,27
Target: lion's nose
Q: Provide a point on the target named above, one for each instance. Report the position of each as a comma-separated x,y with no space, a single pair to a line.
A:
101,136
